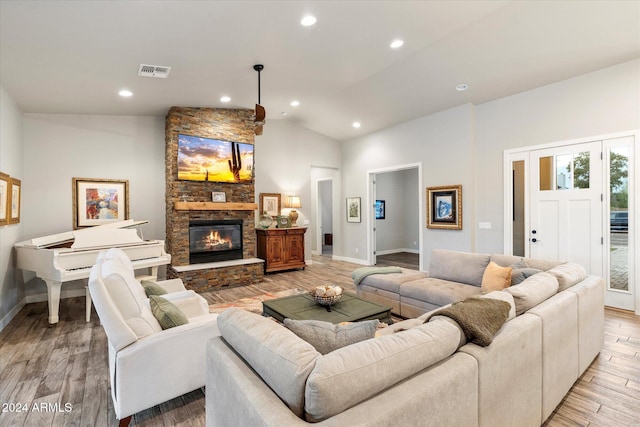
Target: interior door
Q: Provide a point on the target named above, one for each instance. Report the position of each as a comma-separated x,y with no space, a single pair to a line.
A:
566,191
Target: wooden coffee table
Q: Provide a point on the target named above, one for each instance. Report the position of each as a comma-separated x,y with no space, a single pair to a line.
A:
350,308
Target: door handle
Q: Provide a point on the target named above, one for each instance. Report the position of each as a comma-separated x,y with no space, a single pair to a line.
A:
534,240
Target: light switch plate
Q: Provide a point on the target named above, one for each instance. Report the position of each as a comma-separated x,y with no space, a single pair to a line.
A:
484,225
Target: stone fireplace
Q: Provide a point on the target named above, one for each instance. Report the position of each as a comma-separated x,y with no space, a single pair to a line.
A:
189,207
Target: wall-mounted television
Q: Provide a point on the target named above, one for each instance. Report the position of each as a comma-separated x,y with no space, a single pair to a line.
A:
215,160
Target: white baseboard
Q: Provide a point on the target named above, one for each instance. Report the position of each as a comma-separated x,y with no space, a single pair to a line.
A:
71,293
351,260
6,319
396,251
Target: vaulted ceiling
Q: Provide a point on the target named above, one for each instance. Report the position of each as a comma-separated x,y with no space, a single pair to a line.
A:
74,56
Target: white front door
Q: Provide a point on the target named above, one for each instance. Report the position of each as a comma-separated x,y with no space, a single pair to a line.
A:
566,189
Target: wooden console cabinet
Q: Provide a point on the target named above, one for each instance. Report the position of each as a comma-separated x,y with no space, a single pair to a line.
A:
281,248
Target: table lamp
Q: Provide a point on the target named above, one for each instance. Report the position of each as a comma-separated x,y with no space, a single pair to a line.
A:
293,202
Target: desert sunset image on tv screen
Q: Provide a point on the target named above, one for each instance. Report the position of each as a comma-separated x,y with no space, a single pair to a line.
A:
205,159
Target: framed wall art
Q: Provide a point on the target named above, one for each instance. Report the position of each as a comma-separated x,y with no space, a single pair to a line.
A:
218,196
444,207
99,201
5,199
15,194
270,203
379,209
353,209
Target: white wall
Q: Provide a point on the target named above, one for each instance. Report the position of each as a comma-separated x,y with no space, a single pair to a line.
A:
285,156
11,163
605,101
58,148
443,144
465,146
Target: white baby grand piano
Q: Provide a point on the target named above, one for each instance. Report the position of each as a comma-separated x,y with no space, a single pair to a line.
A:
68,256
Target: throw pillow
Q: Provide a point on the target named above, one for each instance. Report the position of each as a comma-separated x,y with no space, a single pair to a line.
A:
495,278
326,337
152,288
166,312
518,275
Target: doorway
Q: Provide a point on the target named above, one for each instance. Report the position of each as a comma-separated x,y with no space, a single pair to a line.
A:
575,201
325,217
393,210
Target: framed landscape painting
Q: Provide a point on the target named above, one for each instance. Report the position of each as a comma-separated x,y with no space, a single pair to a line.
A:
444,207
99,201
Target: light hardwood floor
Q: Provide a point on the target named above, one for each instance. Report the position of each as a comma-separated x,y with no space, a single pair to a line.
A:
67,364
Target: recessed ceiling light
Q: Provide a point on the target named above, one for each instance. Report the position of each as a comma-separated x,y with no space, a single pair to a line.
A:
295,103
225,99
396,43
125,93
462,87
308,20
356,124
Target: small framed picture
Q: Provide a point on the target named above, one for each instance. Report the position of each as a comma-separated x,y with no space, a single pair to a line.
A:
270,204
5,198
283,222
14,201
218,196
379,209
444,207
353,209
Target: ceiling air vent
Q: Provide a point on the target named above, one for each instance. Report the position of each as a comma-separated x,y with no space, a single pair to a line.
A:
154,71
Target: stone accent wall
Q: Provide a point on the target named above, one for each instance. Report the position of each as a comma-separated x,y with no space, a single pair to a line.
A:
225,124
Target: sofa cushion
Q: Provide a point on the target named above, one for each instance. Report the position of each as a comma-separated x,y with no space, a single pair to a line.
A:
507,260
495,278
437,291
326,337
518,275
568,274
460,267
128,296
152,288
542,264
166,313
392,281
533,291
350,375
279,357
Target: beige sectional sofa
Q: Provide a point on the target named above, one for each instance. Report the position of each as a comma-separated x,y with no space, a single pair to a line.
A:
420,371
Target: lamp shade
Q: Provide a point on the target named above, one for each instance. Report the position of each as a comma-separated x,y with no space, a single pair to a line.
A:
292,202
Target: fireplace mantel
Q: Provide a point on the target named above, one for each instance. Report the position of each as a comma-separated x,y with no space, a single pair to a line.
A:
211,206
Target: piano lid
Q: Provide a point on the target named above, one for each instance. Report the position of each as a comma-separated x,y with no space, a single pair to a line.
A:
71,236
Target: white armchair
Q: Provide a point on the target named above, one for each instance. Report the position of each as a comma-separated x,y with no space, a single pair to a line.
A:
148,365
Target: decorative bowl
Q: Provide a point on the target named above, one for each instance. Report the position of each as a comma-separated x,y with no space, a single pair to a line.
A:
327,295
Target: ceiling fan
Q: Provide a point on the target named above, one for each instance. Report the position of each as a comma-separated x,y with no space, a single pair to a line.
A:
260,113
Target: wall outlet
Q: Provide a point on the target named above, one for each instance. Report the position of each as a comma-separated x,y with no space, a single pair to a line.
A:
356,250
484,225
305,222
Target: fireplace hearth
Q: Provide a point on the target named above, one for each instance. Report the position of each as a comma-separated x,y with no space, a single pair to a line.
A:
215,240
